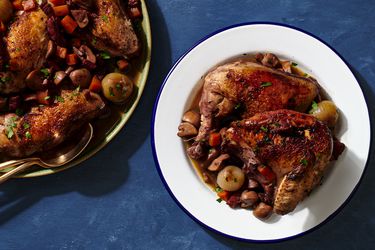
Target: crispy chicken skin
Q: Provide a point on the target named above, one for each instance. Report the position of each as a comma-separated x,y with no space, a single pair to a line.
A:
113,30
44,128
252,86
26,47
296,146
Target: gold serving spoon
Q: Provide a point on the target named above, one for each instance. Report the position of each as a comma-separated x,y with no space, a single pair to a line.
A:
58,159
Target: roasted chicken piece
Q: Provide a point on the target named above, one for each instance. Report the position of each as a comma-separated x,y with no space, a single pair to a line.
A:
296,146
252,87
26,47
113,30
46,127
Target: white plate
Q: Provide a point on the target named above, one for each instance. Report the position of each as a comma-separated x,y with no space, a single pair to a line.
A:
321,61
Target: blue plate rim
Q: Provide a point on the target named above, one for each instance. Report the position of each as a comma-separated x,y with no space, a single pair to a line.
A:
329,218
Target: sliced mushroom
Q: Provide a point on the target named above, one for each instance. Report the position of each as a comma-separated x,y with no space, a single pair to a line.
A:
59,77
187,130
34,80
192,117
51,49
270,60
80,77
262,211
85,54
249,198
287,66
253,184
217,164
213,153
81,17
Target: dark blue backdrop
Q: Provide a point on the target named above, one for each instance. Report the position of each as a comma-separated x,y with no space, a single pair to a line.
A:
116,200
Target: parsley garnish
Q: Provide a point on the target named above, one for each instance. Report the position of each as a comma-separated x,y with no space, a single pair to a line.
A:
294,64
9,128
28,135
26,125
10,132
264,129
304,162
105,55
306,75
314,107
219,200
218,189
5,79
19,112
47,97
59,98
118,86
111,92
94,41
105,18
238,106
266,84
45,72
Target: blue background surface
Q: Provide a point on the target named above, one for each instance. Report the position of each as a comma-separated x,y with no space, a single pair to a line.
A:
116,199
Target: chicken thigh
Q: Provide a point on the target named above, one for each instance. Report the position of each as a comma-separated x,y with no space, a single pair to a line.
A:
296,146
252,87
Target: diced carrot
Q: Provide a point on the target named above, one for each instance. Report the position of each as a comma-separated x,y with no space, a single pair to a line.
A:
61,10
122,64
214,139
266,172
17,5
57,2
71,59
135,13
95,85
224,195
61,52
69,24
3,28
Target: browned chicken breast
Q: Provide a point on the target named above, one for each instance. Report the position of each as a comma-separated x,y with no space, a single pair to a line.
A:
26,47
251,87
296,146
44,128
113,30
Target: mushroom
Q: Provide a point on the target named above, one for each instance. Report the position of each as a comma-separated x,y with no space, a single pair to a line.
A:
59,77
85,54
186,130
35,80
213,153
287,66
248,198
262,211
192,117
270,60
217,164
51,49
253,184
80,77
81,17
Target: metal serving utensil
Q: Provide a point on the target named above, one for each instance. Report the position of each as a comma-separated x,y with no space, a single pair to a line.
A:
50,161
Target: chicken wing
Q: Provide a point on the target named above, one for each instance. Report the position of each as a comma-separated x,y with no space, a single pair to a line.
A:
113,30
46,127
253,87
296,146
26,47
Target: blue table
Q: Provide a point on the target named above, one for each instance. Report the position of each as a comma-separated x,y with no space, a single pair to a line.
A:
116,200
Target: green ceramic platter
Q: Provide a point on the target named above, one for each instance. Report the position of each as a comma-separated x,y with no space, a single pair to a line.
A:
105,130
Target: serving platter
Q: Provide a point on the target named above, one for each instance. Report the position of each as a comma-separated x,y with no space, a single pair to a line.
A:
105,130
317,59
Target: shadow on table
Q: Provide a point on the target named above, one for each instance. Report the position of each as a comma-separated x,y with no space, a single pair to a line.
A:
109,169
363,192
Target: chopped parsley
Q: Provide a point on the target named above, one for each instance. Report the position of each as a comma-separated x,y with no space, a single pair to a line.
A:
306,75
28,135
47,97
219,200
304,162
105,56
94,41
105,18
264,129
18,49
218,189
9,128
45,72
26,125
5,79
59,98
314,107
238,106
10,133
118,86
294,64
266,84
111,92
